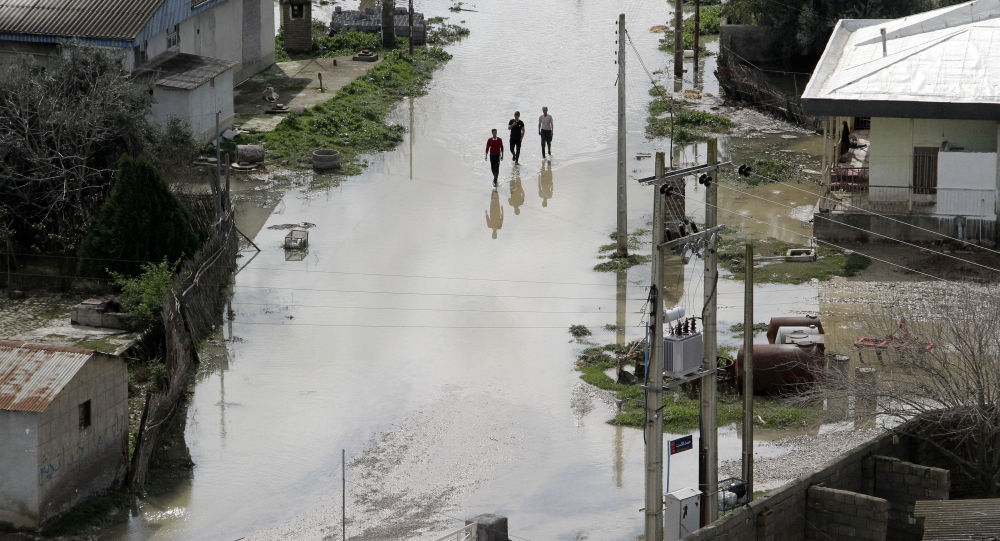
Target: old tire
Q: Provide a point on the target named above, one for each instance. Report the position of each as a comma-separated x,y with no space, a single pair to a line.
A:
326,160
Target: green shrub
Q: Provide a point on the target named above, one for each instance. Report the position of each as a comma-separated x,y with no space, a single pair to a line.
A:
141,221
143,294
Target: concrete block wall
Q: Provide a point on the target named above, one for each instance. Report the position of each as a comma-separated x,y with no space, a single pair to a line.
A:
831,227
903,483
842,514
73,463
781,516
18,471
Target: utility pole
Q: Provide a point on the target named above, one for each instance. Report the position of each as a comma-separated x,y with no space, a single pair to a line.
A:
411,27
697,31
679,42
654,372
748,374
707,444
622,237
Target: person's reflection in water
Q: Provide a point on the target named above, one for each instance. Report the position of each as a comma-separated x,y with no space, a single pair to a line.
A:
494,216
516,191
545,183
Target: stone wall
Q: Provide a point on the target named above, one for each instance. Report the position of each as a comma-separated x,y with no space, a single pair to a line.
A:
842,514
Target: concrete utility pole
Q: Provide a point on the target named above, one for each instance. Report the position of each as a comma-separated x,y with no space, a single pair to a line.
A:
697,31
411,27
708,454
748,374
654,393
622,237
679,42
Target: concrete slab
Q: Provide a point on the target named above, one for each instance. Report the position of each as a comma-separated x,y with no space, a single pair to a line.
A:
297,85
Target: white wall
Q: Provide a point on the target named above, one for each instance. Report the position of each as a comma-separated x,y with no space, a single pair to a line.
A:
215,32
197,107
893,139
18,468
968,181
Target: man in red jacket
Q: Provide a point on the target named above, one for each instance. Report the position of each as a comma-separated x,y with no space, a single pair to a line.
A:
494,151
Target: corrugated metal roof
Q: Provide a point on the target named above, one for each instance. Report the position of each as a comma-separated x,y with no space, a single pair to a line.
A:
959,520
942,57
184,71
31,375
104,19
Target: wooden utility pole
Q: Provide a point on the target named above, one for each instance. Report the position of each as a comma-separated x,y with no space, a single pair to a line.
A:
708,455
679,42
411,27
654,372
622,236
697,31
747,368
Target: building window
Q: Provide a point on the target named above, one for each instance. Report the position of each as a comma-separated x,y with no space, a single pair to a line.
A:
925,161
173,37
84,410
298,11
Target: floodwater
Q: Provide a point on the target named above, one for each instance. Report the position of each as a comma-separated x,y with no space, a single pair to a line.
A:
425,331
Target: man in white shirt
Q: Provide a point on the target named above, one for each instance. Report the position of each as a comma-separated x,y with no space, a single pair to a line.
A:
545,129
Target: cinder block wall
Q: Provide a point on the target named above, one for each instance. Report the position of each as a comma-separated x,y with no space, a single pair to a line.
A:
74,463
842,514
903,483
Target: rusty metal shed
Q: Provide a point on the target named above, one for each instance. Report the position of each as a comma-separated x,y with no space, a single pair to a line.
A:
31,375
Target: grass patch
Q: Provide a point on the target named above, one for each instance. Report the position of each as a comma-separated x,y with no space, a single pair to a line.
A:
689,125
738,328
830,263
612,262
709,23
579,331
353,121
680,413
778,167
616,264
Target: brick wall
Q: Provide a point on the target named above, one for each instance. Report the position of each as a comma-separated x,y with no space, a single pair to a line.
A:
298,32
903,483
842,514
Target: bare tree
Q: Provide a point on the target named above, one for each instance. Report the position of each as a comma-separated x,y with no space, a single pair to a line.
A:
388,24
63,127
939,361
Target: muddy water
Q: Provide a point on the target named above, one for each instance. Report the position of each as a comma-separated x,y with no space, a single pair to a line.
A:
425,331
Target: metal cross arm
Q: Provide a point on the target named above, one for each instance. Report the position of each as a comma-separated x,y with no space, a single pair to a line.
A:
681,173
695,238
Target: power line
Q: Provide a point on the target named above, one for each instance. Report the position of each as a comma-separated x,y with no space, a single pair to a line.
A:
883,216
797,233
910,244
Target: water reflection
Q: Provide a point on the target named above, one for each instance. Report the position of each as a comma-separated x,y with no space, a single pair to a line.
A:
494,216
545,183
516,190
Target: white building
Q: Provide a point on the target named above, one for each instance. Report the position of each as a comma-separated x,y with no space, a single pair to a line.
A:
922,95
63,429
235,39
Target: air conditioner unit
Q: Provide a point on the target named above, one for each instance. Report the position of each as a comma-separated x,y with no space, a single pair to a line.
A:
682,354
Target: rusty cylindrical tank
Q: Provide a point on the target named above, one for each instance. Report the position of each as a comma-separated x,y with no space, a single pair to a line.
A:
801,321
780,368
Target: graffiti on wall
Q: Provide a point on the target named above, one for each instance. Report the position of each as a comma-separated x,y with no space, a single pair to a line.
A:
91,443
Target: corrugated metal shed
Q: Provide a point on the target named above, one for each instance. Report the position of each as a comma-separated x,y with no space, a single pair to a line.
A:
31,375
942,63
959,520
184,71
100,19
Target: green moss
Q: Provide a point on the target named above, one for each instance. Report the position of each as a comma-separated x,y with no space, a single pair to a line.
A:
766,169
830,263
353,121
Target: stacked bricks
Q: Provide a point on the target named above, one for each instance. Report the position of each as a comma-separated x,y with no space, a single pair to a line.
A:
845,515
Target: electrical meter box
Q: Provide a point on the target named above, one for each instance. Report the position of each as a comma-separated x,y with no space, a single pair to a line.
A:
681,514
682,354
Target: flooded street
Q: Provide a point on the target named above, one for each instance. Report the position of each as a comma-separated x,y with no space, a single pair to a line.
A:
425,331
